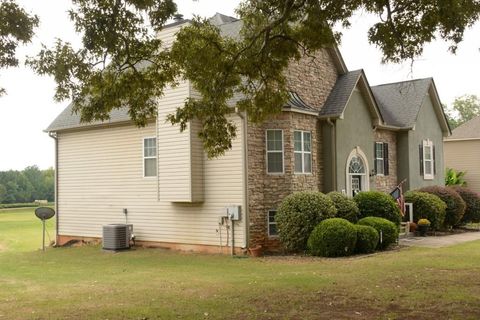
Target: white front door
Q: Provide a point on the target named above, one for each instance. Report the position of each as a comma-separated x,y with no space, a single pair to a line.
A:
357,172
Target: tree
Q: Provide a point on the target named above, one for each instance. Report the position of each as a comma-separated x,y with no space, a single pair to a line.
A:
120,62
16,27
3,193
464,108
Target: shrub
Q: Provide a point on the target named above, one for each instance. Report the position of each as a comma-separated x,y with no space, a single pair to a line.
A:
367,239
472,202
455,204
388,229
334,237
298,214
378,204
427,205
346,208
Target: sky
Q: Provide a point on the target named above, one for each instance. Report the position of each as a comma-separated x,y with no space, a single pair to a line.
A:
29,107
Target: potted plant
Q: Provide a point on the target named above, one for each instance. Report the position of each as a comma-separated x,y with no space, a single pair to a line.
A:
423,226
412,226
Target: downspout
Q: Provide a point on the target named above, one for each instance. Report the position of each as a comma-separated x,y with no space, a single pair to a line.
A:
334,153
53,135
245,176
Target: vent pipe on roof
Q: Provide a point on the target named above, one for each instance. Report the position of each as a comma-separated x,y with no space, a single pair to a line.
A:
178,17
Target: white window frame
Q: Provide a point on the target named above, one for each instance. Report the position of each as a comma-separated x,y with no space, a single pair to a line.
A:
428,144
274,151
381,174
303,152
151,157
270,224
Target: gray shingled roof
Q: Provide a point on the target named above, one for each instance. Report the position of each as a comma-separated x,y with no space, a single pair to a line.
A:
340,94
69,120
400,102
468,130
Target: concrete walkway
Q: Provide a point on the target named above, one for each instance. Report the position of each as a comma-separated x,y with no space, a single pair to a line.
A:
440,241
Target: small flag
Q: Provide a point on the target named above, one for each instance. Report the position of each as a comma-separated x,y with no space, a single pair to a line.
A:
397,194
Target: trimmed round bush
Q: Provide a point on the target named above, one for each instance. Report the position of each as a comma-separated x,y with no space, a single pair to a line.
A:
298,214
334,237
428,206
378,204
388,229
472,202
367,239
346,208
455,204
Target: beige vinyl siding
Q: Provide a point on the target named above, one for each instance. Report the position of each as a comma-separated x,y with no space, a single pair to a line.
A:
464,156
180,164
174,149
101,172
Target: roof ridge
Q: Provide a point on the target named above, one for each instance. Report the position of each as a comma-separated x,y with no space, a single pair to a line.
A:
404,81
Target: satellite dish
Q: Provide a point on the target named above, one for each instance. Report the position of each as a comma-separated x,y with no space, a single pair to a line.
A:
44,213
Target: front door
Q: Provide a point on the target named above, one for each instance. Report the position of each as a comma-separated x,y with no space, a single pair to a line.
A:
357,173
356,184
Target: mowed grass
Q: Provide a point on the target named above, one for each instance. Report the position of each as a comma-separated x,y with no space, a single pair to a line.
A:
86,283
21,230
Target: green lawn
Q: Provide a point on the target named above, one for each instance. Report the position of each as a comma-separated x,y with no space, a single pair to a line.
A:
20,230
86,283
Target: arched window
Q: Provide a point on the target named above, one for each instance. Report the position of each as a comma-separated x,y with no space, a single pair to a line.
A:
357,172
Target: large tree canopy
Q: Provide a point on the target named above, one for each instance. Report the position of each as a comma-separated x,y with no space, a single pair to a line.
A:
16,27
121,64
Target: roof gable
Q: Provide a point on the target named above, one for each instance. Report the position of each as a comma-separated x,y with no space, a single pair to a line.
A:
342,91
400,102
468,130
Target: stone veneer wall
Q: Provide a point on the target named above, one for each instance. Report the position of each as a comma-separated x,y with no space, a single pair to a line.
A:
312,79
266,191
387,183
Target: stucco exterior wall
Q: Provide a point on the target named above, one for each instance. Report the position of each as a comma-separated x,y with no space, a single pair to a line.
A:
355,129
427,127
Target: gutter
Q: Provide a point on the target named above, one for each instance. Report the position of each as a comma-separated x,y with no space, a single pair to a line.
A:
54,136
245,176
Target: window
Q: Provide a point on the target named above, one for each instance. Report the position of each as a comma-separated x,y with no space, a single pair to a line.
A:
272,224
274,151
428,153
303,151
150,157
381,158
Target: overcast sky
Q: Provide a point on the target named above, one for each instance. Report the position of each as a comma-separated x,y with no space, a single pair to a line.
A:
29,108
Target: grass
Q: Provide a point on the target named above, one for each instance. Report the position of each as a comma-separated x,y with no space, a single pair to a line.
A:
86,283
21,230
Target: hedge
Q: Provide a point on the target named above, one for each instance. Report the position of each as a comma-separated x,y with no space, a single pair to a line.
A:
298,214
334,237
428,206
472,202
455,204
386,229
378,204
367,239
346,207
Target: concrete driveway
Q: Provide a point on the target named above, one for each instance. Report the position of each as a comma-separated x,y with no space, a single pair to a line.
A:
440,241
